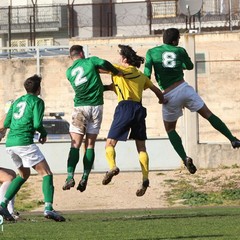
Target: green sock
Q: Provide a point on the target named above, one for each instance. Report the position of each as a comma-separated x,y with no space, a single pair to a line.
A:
88,160
73,159
48,191
12,190
176,142
219,125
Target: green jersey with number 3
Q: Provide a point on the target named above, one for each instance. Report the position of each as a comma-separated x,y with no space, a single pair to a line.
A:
86,82
24,118
168,62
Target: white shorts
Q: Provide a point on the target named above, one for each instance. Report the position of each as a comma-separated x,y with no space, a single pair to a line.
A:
26,156
86,119
182,96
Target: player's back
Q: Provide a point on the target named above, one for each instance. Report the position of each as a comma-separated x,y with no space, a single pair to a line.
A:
131,85
86,82
25,117
168,62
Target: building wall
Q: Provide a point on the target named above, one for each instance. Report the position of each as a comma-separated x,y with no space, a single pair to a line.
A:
219,86
29,2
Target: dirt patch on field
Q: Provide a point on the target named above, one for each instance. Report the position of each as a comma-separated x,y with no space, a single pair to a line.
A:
121,192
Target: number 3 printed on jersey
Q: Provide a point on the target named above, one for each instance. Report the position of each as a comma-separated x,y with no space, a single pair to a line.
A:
78,73
21,108
169,60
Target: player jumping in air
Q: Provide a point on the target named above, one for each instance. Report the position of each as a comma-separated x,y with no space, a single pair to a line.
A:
168,62
129,113
85,80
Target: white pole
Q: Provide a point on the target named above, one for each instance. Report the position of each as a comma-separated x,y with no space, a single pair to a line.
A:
190,137
38,60
230,14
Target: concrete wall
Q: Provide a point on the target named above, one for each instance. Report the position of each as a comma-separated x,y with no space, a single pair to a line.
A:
219,86
159,150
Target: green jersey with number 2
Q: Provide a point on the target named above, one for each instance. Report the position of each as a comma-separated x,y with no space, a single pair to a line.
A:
86,82
168,62
24,118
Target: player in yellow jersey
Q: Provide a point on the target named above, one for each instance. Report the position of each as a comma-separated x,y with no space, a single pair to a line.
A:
129,114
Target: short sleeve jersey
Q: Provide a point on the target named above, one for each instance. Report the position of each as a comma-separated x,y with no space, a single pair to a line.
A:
168,62
86,82
130,86
24,118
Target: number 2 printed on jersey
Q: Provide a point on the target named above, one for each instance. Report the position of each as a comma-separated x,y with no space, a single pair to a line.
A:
78,73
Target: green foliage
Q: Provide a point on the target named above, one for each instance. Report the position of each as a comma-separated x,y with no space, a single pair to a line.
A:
193,198
231,194
191,193
235,166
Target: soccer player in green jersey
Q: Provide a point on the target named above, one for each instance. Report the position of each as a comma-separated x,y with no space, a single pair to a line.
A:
168,61
24,118
85,79
129,114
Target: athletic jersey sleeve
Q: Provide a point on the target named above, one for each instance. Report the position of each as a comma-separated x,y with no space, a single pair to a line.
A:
68,73
148,83
148,65
101,63
7,121
187,62
38,112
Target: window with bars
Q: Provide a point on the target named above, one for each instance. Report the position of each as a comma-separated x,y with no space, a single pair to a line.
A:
44,42
164,9
220,6
19,44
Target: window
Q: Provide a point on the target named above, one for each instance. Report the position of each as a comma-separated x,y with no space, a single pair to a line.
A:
200,63
19,44
44,41
164,9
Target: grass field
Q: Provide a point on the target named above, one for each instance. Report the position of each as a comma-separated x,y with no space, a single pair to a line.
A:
185,223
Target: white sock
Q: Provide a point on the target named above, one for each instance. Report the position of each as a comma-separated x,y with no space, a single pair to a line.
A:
3,189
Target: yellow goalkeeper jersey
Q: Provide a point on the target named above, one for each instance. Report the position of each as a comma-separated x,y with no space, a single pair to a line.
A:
130,86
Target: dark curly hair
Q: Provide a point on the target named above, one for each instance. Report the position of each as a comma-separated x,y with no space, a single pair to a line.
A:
32,83
131,56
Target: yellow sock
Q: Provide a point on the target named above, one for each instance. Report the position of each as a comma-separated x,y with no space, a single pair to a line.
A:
144,162
110,156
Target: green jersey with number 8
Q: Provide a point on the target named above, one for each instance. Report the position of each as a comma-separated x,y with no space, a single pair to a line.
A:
168,62
24,118
86,82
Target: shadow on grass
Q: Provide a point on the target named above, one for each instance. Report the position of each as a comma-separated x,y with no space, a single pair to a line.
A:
181,237
177,216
